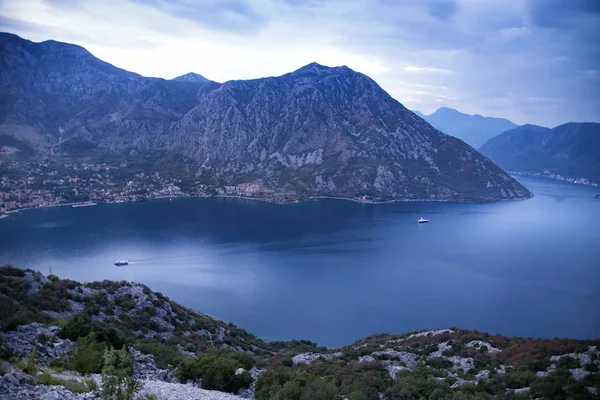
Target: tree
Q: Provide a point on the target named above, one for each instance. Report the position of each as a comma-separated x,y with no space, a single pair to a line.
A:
117,382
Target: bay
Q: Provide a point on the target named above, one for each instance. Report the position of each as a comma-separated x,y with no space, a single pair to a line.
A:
333,271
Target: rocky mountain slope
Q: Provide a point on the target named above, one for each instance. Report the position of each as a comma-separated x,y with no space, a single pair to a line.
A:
317,131
473,129
54,331
569,151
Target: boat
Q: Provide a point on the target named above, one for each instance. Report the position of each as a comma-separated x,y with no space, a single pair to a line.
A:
86,204
120,263
423,221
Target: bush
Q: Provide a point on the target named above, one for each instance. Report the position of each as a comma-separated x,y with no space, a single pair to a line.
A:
217,371
440,363
117,383
569,362
88,357
126,302
76,327
31,367
48,380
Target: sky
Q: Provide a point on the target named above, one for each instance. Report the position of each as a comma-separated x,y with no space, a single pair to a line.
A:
531,61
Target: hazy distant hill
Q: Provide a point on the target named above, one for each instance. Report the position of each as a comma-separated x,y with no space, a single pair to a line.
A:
472,129
571,150
317,131
419,113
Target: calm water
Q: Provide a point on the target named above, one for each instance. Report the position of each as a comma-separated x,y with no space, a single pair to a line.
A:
334,271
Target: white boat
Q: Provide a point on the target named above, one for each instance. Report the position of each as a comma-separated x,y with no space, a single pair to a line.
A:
120,263
423,221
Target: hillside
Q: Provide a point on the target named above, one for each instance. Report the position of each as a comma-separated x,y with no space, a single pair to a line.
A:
317,131
70,325
472,129
567,152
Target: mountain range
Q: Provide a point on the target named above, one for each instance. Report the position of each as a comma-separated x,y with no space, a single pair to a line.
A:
472,129
570,151
317,131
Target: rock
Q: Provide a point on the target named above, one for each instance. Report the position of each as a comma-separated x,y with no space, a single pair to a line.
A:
579,373
478,344
394,367
430,333
22,341
464,363
410,359
307,358
441,348
144,367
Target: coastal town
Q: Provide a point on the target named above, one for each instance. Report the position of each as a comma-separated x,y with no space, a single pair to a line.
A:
44,184
551,175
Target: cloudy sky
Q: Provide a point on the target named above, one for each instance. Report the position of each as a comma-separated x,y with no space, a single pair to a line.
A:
532,61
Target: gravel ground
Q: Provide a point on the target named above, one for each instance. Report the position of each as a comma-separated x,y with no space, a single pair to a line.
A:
178,391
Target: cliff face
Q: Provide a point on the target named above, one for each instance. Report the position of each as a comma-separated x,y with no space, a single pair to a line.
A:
316,131
570,150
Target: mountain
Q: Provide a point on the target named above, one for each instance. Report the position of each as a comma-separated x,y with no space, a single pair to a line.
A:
62,328
569,151
191,77
317,131
472,129
420,114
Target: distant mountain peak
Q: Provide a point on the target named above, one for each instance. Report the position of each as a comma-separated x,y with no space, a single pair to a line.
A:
317,68
473,129
191,77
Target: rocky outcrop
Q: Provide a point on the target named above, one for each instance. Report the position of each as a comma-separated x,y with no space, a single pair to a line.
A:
48,345
14,385
144,367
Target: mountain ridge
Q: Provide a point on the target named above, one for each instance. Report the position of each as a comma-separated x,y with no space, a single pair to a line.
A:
316,131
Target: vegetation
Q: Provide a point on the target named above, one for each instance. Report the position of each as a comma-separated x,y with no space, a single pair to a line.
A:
218,370
118,315
117,382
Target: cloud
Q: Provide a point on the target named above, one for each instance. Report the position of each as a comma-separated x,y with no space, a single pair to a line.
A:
230,15
495,57
443,9
414,68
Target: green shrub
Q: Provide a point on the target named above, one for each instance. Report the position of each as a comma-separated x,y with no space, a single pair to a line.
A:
76,327
440,363
117,383
31,366
217,371
49,380
88,356
569,362
126,302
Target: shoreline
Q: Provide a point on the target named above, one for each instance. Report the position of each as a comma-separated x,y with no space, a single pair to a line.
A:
6,214
565,180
